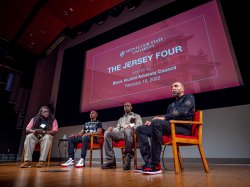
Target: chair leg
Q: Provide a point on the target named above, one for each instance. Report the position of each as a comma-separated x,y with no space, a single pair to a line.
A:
135,149
22,158
122,155
135,159
176,162
101,152
162,157
179,157
90,158
135,156
204,161
50,148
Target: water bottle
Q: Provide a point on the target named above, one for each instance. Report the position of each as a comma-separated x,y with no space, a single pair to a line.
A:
64,136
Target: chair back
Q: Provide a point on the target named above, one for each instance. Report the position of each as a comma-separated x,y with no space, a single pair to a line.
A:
197,117
101,138
176,140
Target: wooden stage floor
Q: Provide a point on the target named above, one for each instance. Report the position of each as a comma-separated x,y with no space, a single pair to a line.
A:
220,175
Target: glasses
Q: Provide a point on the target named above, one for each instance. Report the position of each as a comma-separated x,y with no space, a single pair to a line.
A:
45,111
127,106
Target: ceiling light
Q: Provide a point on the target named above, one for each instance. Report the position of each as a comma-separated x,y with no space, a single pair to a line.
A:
100,22
66,13
100,19
133,4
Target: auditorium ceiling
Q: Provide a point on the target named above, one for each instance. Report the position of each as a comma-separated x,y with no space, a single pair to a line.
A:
37,25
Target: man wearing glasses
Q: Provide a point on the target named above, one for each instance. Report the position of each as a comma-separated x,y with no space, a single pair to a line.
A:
123,131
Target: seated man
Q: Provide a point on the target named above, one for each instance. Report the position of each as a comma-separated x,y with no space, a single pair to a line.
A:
123,131
182,108
40,129
92,127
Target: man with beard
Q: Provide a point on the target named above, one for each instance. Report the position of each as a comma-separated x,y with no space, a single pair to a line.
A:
182,108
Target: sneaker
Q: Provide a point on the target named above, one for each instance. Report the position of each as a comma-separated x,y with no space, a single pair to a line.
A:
26,164
110,164
152,169
80,163
127,161
140,169
70,162
40,164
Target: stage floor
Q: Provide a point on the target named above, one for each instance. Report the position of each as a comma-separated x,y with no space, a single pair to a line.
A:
194,175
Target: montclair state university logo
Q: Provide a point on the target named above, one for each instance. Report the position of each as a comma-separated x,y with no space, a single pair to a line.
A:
122,53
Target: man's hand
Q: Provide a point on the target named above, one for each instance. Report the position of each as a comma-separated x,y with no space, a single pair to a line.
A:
110,129
73,135
158,117
39,131
147,123
32,131
128,127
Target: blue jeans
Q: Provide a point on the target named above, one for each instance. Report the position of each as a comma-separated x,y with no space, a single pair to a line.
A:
80,139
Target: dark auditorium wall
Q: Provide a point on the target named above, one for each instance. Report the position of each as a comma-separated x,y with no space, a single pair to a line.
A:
36,79
41,90
11,105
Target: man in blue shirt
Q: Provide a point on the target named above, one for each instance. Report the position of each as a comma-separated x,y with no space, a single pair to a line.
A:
92,127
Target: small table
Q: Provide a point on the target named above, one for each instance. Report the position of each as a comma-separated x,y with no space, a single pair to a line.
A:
65,148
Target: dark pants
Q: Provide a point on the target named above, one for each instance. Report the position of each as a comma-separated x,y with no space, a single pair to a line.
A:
158,128
81,139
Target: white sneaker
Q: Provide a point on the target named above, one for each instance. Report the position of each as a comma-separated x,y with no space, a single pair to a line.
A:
70,162
81,163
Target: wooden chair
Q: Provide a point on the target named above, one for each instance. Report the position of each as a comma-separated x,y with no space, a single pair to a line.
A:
121,145
176,141
37,148
93,146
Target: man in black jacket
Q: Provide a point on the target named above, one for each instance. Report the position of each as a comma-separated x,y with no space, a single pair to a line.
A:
182,108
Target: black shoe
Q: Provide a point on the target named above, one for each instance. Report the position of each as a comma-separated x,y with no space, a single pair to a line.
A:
109,165
127,161
152,169
140,169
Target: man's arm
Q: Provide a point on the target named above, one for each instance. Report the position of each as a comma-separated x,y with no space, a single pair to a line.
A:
29,127
54,129
119,125
77,134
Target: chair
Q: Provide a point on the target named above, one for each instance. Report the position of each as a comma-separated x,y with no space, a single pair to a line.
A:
121,145
37,148
176,141
93,146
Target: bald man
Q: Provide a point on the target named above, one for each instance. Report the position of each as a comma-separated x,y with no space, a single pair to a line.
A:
123,131
182,108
